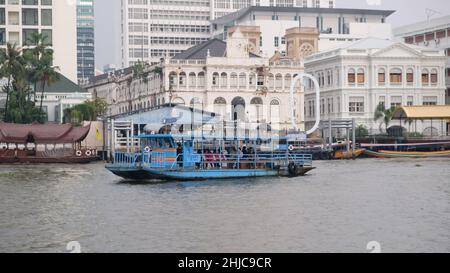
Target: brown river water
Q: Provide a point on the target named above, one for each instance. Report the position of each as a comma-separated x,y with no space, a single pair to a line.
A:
340,207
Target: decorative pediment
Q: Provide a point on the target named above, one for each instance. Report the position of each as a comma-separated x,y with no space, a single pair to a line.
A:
398,50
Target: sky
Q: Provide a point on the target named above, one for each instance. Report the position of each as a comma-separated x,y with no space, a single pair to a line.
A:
107,21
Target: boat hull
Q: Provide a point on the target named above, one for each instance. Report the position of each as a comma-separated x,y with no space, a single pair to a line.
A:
48,160
393,154
145,173
341,154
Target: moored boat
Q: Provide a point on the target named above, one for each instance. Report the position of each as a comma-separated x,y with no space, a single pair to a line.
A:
415,154
44,143
344,154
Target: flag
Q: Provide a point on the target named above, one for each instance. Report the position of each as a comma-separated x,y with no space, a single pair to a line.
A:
98,135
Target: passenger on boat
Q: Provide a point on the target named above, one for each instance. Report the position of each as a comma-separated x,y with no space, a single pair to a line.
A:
179,155
209,158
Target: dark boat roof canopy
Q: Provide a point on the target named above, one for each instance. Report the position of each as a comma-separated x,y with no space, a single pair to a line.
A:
42,133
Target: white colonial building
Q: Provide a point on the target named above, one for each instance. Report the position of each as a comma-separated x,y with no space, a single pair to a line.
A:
357,78
434,33
336,26
225,78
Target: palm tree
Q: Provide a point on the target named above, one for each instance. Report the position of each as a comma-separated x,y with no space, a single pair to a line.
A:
46,73
10,65
34,58
384,114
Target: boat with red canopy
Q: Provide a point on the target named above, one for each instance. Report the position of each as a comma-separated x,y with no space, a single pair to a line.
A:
44,143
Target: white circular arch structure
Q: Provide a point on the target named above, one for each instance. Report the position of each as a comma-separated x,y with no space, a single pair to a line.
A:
317,87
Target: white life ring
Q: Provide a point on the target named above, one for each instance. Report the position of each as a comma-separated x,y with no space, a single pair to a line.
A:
88,153
291,148
147,149
78,153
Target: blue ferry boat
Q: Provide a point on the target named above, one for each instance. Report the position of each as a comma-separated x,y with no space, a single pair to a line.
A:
185,158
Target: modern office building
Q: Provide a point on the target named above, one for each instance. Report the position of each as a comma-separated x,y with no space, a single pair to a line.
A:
356,78
434,33
85,40
54,18
336,26
155,29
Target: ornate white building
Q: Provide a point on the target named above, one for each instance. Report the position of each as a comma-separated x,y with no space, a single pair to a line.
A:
225,78
355,79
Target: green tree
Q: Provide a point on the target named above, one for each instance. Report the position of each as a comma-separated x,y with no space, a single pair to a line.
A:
35,57
46,73
384,114
88,111
10,66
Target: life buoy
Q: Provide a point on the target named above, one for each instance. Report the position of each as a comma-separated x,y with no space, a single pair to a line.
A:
88,153
78,153
291,148
147,149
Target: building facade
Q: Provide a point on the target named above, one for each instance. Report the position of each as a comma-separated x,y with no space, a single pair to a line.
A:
357,78
85,40
155,29
55,19
337,26
432,34
225,78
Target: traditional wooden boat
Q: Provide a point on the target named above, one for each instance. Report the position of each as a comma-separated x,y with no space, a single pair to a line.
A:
44,143
394,154
183,158
344,154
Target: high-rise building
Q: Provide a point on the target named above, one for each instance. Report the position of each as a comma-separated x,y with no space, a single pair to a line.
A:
85,40
155,29
55,19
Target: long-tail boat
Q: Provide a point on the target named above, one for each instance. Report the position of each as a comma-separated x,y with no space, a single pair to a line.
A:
415,154
44,143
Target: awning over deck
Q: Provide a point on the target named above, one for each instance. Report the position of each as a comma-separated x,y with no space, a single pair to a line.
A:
42,133
423,112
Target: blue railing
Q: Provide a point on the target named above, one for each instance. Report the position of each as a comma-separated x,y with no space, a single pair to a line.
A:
205,161
127,159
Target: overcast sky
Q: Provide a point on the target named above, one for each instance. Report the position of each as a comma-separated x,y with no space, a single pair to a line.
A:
108,20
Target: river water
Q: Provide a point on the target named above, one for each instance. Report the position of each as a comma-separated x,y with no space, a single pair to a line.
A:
341,206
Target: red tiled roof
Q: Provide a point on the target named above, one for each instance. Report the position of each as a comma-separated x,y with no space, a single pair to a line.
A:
42,133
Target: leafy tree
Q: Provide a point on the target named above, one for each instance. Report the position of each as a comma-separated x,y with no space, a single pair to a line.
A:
361,131
384,114
90,110
10,60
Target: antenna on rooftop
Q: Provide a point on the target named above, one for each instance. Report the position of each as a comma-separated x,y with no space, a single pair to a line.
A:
430,13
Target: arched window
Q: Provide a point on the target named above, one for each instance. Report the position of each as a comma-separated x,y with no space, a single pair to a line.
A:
351,76
220,105
252,80
233,80
434,77
215,79
192,80
279,82
381,76
173,79
395,76
201,80
271,82
242,81
223,80
410,76
178,100
361,76
425,77
274,111
182,79
287,81
196,103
